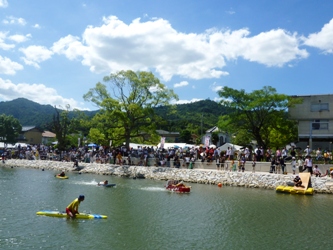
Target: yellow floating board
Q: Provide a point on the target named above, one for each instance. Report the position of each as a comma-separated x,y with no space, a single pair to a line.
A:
78,216
62,177
305,177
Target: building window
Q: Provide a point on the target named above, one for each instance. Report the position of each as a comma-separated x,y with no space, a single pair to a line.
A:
319,124
315,107
221,140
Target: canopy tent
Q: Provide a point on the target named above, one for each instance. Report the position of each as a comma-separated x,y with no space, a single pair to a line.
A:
8,145
235,147
136,145
176,145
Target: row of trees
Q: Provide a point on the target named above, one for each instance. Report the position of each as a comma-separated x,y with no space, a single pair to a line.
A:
127,102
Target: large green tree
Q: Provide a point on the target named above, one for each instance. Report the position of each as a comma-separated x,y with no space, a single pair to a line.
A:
63,126
10,128
261,114
127,106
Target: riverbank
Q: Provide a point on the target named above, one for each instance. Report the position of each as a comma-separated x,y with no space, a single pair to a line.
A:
205,176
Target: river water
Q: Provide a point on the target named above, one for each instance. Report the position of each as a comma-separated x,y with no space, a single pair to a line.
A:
143,215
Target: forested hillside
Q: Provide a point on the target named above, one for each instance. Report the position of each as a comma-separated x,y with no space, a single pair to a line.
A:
30,113
202,114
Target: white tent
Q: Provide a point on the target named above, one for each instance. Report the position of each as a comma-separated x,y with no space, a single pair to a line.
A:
175,145
8,145
136,145
233,146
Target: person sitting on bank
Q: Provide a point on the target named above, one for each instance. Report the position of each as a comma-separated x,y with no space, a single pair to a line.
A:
298,182
73,208
331,173
316,172
76,164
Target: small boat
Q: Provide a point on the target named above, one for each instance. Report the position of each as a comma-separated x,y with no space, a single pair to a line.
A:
61,177
179,188
101,184
77,216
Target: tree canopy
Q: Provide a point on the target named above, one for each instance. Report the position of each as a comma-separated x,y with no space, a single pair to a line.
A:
260,115
10,128
127,110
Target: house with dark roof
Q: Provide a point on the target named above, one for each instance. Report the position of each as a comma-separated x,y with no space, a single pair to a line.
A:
31,135
169,136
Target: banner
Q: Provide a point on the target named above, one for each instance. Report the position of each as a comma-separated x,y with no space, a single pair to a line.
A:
162,142
207,140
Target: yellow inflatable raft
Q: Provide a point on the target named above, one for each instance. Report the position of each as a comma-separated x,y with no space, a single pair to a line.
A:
293,190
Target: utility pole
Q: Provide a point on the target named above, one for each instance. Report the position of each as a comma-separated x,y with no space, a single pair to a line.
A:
201,128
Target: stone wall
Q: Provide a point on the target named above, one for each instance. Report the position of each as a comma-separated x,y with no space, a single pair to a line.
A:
204,176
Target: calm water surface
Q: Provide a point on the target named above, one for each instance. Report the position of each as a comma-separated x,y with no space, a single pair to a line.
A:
143,215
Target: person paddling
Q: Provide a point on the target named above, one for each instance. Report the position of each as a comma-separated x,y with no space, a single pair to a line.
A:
73,208
62,174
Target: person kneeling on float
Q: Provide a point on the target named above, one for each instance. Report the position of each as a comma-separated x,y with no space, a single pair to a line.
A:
298,182
73,208
181,183
62,174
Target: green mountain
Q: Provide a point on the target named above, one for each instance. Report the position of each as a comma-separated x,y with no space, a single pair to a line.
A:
202,114
30,113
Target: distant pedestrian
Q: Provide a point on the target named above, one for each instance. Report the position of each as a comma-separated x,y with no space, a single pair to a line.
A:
293,165
253,166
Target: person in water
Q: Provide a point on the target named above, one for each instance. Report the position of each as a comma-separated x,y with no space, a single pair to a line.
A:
106,182
73,208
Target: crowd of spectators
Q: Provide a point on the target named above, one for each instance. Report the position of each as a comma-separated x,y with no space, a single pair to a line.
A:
181,157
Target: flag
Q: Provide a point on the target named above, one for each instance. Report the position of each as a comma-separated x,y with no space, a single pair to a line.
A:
162,142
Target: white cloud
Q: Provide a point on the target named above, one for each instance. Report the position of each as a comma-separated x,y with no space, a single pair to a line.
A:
35,55
272,48
322,40
3,4
3,44
214,87
9,67
181,84
155,45
35,92
36,26
19,38
70,46
186,101
142,46
14,20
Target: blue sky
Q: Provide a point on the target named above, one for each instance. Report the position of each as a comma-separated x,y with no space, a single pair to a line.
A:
53,52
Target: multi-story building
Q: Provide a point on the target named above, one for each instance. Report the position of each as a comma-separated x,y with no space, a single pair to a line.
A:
315,121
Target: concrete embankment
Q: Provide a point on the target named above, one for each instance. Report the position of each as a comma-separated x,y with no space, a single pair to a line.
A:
204,176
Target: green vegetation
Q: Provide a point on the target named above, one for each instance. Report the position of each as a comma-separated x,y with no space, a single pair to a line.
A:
137,104
127,111
10,129
259,115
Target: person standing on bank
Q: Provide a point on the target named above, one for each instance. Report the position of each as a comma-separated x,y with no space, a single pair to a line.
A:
308,164
293,164
73,208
